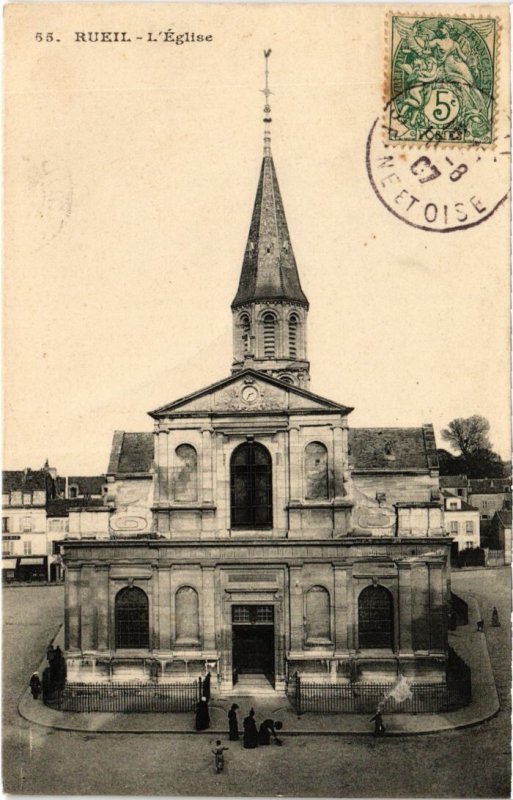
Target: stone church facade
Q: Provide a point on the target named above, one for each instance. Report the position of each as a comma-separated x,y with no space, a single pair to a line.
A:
254,532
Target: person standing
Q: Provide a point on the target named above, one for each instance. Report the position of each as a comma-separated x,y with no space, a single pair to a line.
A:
233,724
250,738
379,728
35,685
202,721
205,686
495,618
218,752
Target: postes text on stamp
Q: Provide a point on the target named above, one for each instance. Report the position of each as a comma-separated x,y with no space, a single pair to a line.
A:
440,81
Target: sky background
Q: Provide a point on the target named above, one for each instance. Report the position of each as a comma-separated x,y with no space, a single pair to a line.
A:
131,172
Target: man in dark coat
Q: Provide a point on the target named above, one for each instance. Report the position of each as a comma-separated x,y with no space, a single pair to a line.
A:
202,721
233,724
250,739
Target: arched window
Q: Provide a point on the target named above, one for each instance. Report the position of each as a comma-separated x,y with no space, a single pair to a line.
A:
186,473
316,471
251,486
287,379
245,332
293,335
376,618
317,615
131,619
187,615
269,331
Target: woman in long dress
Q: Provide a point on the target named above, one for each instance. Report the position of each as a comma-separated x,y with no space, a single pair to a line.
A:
250,739
233,724
202,721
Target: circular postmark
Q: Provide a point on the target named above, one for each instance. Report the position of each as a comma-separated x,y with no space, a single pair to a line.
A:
436,188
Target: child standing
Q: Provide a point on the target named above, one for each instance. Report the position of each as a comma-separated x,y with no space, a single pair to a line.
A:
218,752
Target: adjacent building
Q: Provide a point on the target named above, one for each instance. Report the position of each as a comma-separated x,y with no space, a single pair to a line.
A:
461,523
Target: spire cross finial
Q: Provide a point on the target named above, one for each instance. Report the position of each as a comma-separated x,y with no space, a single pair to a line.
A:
267,107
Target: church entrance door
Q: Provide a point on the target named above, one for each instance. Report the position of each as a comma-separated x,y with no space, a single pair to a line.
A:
253,644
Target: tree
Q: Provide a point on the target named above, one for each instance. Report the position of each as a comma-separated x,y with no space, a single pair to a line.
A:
476,458
469,435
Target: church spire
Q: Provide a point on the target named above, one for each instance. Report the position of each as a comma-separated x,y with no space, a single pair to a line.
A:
270,307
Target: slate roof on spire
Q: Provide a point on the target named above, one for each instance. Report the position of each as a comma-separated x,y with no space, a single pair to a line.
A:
269,270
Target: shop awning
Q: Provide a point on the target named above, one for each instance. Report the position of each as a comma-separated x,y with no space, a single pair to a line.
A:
8,563
28,561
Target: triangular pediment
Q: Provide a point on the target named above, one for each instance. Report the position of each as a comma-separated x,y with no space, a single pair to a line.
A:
249,392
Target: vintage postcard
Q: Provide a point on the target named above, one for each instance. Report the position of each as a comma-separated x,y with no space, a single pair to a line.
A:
256,496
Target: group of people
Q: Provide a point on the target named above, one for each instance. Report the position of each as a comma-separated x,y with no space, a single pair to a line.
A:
54,675
56,665
253,736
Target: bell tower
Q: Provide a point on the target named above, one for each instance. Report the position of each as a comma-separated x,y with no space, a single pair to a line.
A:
270,309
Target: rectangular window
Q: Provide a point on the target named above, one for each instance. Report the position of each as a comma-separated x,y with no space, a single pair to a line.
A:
454,527
27,548
7,548
5,525
27,524
469,544
469,527
453,506
27,498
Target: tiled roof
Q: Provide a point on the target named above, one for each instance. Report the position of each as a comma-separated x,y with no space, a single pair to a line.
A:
131,453
489,485
269,270
504,516
453,481
87,484
463,505
24,480
392,449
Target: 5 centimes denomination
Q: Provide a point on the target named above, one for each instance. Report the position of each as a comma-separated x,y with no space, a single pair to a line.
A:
441,79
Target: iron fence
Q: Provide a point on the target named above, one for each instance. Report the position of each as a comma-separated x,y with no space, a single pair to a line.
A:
125,697
360,698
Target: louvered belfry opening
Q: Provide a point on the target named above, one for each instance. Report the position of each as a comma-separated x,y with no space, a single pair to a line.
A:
269,323
251,487
375,618
293,330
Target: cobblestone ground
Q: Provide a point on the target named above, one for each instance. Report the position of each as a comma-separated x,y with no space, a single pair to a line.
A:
469,763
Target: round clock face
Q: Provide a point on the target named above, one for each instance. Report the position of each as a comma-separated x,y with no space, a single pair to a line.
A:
249,394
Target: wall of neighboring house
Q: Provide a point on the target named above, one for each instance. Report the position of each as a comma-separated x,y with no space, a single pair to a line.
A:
461,523
488,504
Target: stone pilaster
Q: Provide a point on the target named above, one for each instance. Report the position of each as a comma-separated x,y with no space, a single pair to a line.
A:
102,607
338,462
405,607
164,607
341,616
294,465
296,608
207,495
437,615
72,637
163,467
87,609
209,640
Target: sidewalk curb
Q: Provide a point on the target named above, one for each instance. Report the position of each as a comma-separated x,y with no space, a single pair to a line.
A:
36,713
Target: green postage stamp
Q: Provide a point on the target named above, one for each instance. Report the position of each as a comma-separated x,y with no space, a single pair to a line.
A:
441,79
